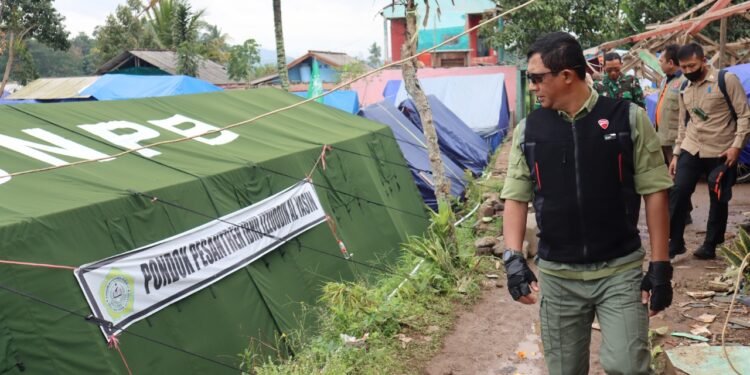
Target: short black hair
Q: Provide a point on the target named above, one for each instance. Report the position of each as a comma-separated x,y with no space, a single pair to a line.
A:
689,50
612,56
670,53
559,51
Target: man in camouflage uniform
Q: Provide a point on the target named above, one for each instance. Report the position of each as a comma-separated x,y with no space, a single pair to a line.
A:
616,85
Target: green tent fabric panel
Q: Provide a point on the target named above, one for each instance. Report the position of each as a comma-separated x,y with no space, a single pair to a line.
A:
266,139
292,275
9,360
62,190
85,213
217,322
54,341
390,194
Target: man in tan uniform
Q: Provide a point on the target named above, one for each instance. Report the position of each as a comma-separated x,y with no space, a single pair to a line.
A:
709,142
667,106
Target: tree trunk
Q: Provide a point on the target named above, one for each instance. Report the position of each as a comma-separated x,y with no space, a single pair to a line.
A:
409,70
280,54
9,65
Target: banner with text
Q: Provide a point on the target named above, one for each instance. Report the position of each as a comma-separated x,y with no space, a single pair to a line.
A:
128,287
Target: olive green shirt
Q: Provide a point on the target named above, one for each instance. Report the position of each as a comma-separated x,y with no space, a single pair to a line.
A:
651,176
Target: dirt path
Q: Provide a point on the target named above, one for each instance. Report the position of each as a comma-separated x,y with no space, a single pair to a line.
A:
500,336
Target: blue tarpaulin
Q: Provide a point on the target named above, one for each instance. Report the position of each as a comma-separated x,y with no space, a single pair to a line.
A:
743,73
125,86
651,106
456,139
480,101
345,100
4,101
412,143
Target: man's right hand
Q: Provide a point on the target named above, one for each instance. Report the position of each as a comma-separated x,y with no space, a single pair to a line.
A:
521,281
673,166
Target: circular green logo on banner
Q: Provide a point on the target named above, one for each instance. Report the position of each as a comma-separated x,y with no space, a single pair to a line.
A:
117,293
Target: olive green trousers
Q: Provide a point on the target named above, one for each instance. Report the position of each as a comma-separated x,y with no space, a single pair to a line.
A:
567,311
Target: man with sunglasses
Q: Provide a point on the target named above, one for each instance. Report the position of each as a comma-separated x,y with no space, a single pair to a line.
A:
585,160
617,85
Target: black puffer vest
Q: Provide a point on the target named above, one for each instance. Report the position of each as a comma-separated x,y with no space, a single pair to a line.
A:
584,192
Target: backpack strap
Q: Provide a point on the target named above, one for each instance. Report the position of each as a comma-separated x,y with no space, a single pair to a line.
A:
682,96
723,89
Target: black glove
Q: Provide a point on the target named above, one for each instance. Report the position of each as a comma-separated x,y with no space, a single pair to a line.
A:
658,281
519,276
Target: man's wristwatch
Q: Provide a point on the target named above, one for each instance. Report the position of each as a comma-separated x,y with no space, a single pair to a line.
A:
509,253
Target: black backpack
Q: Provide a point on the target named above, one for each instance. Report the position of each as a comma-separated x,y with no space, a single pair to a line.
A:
722,88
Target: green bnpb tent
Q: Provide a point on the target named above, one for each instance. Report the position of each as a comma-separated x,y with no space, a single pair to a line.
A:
80,214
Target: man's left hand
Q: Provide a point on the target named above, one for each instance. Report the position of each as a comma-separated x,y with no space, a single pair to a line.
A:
656,287
732,154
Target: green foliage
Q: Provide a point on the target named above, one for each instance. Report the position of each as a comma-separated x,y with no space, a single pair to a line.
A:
242,59
28,70
593,22
264,70
185,23
434,246
596,21
351,70
188,60
36,19
374,59
78,60
123,31
213,44
21,20
639,13
736,252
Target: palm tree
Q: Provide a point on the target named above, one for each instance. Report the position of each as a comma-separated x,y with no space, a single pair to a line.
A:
214,44
280,54
163,16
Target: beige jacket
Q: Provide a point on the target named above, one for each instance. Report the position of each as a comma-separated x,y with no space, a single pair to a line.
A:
718,132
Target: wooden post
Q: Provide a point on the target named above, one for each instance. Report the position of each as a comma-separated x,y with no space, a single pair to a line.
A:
722,43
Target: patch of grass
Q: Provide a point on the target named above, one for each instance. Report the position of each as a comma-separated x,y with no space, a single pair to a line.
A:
734,253
387,326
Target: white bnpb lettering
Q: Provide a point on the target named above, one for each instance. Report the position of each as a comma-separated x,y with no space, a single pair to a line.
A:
198,128
4,177
41,152
128,140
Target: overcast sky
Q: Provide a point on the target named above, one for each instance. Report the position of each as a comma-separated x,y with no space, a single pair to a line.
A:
349,26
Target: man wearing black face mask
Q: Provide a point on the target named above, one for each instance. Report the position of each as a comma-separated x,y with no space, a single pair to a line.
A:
708,143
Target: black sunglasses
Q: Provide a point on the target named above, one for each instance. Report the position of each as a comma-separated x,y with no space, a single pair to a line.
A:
537,78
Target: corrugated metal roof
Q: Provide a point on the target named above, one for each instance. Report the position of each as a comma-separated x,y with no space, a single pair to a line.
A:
167,61
334,59
55,88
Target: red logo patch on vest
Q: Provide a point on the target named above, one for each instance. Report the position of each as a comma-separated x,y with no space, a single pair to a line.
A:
604,123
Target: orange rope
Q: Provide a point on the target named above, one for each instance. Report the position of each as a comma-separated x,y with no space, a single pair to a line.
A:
114,343
41,265
342,246
321,160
